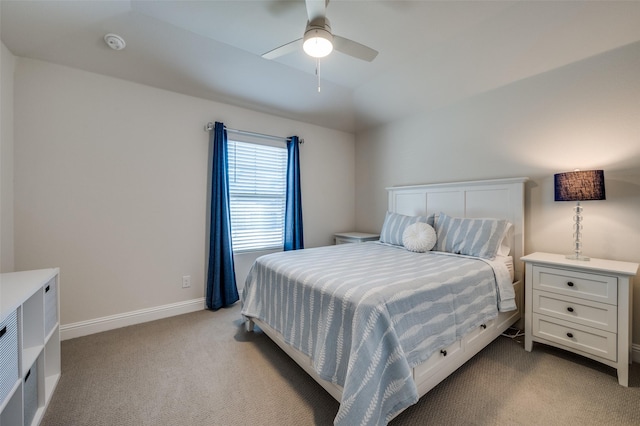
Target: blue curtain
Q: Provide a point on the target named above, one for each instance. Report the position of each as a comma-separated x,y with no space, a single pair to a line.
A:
221,276
293,214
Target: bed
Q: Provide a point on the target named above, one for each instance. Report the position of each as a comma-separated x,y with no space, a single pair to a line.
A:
378,325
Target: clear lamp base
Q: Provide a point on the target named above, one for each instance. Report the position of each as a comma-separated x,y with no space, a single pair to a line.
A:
576,256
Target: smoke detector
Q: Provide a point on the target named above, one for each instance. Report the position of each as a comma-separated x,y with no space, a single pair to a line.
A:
114,41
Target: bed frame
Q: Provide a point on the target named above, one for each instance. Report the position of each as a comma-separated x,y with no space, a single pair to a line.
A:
499,198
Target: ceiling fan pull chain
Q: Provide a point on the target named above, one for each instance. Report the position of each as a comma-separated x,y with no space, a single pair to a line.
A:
318,72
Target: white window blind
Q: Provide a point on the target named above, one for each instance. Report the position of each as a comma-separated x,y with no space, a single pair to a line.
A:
257,191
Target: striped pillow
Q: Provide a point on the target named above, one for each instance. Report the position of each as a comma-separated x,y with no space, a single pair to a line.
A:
471,237
394,225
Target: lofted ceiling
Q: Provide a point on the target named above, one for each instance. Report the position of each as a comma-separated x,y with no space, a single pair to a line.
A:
431,53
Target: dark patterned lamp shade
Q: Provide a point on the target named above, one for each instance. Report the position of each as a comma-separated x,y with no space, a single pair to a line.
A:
579,185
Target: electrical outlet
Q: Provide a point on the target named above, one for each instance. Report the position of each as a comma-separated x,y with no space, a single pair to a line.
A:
186,281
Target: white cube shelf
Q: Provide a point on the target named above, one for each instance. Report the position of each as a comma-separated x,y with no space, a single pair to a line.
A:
30,344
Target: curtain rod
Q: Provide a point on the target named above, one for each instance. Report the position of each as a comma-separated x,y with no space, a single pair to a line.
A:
209,126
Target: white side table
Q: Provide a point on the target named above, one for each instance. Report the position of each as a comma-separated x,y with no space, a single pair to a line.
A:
581,306
354,237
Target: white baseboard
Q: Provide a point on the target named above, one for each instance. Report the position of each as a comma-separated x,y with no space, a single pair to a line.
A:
635,352
97,325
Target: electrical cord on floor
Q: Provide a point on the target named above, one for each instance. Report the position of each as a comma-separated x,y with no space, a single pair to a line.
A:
513,333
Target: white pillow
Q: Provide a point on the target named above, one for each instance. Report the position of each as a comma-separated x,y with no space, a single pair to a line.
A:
419,237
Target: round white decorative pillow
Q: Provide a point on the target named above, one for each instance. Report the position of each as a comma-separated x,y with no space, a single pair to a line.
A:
419,237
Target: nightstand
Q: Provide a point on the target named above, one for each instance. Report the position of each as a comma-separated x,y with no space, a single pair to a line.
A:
581,306
355,237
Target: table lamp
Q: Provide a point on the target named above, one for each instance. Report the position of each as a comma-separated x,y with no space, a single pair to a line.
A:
579,186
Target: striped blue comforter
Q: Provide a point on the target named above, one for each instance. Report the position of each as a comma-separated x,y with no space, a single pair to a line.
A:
366,314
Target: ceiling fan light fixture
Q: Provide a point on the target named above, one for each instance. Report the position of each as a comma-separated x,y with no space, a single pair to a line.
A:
318,42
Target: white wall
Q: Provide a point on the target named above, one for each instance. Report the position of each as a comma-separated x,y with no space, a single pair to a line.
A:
7,64
585,115
111,186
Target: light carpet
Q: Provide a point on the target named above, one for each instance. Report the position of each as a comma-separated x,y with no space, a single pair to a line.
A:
202,368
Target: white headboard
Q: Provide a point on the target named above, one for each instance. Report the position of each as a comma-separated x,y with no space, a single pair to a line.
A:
497,198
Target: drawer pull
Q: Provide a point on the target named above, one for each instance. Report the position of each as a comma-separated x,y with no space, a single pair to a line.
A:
443,352
46,290
3,331
570,284
570,309
483,326
570,335
27,376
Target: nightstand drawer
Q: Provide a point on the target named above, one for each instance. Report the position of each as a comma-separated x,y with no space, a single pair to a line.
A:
585,312
599,288
586,339
343,240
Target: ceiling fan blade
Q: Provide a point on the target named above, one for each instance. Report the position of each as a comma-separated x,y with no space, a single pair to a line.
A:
316,9
284,49
352,48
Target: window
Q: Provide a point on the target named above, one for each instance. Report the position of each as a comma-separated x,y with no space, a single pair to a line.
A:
257,194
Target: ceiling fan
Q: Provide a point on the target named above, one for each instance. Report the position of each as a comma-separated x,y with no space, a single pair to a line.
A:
318,41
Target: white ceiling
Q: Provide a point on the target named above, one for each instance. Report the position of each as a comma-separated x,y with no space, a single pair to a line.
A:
432,53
